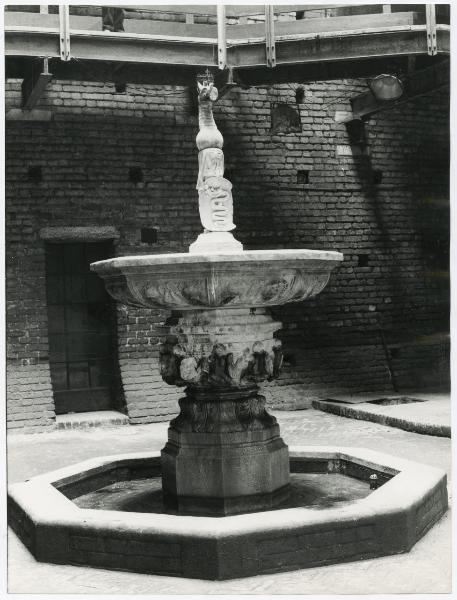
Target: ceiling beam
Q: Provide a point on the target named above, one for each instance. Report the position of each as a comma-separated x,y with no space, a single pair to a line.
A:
354,45
232,10
246,10
297,41
24,21
156,74
107,71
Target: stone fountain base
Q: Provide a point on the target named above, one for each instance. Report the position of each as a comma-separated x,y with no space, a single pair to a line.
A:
391,519
224,454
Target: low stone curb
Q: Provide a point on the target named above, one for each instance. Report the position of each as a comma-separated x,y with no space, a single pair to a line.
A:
352,412
388,521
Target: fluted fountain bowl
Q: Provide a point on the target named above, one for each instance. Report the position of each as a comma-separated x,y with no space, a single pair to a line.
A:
248,279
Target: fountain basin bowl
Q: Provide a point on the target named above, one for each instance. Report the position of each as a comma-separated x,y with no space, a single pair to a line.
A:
203,281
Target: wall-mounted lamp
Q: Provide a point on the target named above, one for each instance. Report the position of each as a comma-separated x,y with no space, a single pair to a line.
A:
386,87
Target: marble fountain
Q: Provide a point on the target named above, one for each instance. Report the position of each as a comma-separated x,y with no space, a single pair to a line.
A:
231,499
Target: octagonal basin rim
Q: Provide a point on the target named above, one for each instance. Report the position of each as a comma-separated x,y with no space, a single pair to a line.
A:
250,256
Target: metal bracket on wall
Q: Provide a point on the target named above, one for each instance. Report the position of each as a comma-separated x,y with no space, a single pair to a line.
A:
430,15
34,84
64,21
221,37
270,35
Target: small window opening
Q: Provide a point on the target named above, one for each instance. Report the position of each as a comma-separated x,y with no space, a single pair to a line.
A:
149,235
299,95
121,88
376,176
302,176
299,15
362,260
136,174
35,174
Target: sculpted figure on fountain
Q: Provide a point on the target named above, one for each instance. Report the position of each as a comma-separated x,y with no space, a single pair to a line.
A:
215,200
216,204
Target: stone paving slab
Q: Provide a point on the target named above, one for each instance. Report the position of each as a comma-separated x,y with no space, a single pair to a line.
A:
426,569
431,416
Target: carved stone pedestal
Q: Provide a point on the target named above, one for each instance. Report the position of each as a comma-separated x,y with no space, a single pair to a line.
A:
224,454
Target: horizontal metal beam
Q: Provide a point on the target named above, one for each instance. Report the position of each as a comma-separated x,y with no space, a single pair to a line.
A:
32,43
114,47
107,71
144,49
241,10
353,45
198,31
232,10
184,75
319,26
178,43
337,69
95,24
160,49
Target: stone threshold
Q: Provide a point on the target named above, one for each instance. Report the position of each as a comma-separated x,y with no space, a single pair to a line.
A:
85,420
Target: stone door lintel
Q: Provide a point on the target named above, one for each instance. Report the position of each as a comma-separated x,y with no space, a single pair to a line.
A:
79,234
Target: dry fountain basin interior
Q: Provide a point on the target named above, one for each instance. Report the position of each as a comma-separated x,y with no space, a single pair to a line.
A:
46,512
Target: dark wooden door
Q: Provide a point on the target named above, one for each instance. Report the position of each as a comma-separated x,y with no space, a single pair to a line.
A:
81,325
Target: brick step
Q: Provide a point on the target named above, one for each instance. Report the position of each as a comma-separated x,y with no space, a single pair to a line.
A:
84,420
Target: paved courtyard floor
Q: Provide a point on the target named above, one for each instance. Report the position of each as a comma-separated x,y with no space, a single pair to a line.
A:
426,569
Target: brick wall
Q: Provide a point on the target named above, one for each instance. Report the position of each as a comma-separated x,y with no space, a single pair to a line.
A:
30,404
392,284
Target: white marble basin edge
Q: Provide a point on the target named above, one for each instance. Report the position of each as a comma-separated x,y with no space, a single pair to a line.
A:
143,260
236,279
